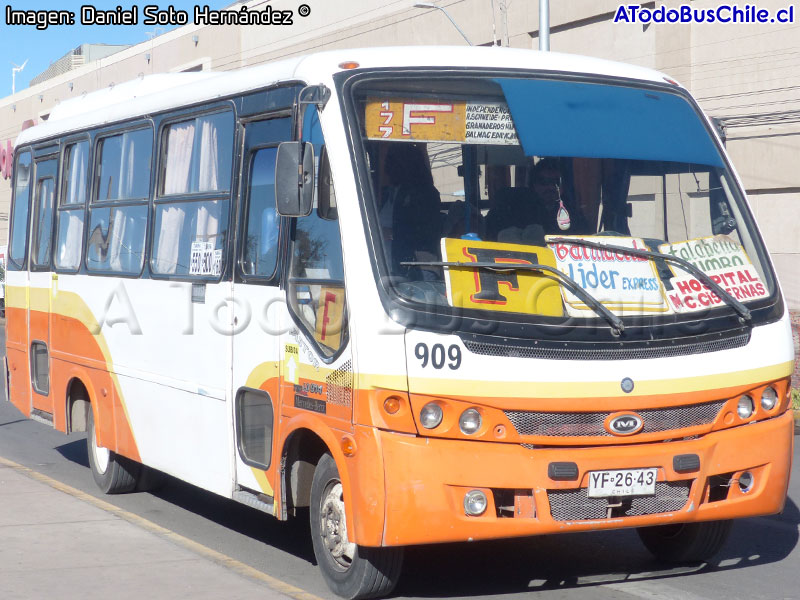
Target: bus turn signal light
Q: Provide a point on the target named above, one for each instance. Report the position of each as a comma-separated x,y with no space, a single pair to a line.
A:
348,446
391,405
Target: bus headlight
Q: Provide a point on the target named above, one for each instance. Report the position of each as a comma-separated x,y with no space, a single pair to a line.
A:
745,407
431,415
769,398
475,503
470,421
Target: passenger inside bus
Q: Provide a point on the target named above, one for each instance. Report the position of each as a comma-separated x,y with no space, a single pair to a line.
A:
527,214
410,212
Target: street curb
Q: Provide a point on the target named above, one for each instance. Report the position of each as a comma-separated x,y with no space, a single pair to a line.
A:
221,559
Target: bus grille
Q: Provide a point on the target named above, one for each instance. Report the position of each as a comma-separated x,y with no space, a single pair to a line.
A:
590,424
575,505
632,352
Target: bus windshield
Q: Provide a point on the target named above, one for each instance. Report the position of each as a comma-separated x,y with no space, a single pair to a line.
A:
510,170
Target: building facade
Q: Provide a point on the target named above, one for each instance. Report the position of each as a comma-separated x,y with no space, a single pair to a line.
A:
744,75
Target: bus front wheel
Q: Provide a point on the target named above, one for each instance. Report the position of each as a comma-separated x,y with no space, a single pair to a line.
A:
113,474
685,542
350,570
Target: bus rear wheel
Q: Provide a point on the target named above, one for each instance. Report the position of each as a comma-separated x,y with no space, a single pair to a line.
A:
113,474
350,570
686,542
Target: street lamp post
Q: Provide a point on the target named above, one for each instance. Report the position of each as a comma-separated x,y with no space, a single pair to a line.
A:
14,70
447,14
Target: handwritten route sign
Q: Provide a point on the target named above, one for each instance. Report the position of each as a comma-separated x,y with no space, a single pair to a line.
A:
427,120
622,283
690,295
507,291
707,253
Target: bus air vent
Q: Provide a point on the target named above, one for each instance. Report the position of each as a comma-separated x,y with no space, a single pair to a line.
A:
586,424
339,385
632,351
575,505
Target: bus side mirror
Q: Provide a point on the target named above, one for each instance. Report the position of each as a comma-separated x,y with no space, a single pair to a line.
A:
294,179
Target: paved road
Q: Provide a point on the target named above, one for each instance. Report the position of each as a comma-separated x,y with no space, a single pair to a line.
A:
761,560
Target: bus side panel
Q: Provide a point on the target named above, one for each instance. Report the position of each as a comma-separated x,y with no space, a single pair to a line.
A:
181,433
19,392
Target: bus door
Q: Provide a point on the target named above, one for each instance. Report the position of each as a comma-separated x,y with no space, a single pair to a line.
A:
43,284
259,309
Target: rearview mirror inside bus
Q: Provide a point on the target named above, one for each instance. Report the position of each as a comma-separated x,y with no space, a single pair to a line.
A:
294,179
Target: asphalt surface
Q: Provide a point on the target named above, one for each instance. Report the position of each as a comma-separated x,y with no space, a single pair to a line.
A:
760,561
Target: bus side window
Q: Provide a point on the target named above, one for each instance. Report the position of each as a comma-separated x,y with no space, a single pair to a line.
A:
19,212
117,227
260,252
190,234
72,201
316,274
42,222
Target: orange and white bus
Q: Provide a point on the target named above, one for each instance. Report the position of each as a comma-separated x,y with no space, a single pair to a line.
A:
433,294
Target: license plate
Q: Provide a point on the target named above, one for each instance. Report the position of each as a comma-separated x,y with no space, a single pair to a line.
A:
630,482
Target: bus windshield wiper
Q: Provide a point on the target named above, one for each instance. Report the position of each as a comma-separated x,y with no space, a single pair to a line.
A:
737,306
617,327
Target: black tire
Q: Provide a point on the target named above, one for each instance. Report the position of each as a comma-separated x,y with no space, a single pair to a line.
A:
350,571
119,474
686,542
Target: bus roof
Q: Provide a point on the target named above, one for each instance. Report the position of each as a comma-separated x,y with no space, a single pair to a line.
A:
153,94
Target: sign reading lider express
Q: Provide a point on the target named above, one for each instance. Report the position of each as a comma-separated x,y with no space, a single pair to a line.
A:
431,121
621,282
508,291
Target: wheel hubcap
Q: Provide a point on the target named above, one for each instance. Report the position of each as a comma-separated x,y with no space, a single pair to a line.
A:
333,526
101,455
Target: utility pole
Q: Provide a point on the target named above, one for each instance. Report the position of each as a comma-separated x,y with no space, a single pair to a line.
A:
544,25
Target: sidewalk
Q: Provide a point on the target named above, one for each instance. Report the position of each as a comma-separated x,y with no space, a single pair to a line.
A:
57,542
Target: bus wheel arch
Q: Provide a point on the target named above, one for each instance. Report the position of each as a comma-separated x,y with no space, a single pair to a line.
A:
301,453
112,472
350,570
78,405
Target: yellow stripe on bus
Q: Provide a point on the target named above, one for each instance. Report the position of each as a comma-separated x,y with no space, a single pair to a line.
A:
596,389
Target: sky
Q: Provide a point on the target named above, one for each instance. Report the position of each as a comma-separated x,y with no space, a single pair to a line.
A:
42,47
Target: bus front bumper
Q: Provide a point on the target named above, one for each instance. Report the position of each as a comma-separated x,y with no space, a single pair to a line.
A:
427,478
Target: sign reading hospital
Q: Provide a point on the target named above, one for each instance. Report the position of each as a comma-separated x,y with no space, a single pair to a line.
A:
690,295
621,282
429,121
